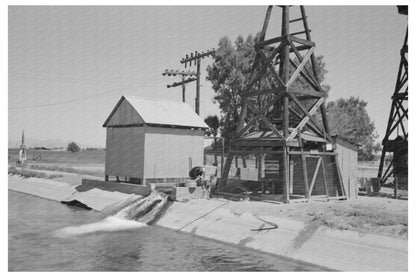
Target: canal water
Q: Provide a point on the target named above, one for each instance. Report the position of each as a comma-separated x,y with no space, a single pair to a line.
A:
48,236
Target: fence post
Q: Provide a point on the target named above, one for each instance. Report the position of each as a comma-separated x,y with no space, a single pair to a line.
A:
368,183
396,181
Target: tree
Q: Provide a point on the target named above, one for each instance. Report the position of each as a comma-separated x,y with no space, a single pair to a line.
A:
348,118
72,147
230,73
214,124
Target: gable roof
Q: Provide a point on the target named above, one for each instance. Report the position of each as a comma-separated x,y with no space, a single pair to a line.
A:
161,112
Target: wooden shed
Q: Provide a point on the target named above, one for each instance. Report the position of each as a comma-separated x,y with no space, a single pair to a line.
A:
152,140
348,159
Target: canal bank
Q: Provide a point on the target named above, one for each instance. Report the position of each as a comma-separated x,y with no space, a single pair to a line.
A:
215,219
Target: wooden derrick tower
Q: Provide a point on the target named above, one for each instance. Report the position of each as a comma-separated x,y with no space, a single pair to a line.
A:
395,139
283,117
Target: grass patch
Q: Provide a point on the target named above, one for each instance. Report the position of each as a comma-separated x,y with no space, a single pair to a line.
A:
65,169
30,173
363,219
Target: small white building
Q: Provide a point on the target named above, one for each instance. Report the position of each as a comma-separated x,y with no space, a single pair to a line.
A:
347,153
152,140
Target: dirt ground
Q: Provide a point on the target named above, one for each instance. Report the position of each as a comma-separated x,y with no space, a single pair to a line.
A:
381,216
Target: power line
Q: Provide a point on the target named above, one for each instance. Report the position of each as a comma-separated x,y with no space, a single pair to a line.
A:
60,103
35,74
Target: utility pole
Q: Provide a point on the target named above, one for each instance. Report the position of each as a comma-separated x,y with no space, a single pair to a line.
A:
183,82
22,151
197,61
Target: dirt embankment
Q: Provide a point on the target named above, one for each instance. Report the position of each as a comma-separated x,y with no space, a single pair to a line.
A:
381,216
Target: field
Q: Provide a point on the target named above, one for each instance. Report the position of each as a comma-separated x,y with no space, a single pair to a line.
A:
53,163
93,157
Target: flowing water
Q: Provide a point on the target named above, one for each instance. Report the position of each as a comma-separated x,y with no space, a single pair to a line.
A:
48,236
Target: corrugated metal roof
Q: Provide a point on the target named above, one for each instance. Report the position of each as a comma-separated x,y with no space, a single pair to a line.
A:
164,112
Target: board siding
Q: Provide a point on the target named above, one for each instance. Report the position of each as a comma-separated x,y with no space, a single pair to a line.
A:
168,151
347,159
125,152
125,115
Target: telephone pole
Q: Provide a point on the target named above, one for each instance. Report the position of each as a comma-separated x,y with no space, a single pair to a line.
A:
183,82
196,58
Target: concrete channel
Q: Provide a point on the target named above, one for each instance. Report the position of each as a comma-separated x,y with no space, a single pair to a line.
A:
308,242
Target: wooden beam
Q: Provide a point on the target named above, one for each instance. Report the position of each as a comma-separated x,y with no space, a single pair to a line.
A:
307,114
263,68
295,20
305,119
308,37
265,143
263,118
305,174
266,22
397,123
271,41
274,74
310,126
263,92
324,117
300,67
324,172
255,151
257,114
249,124
262,36
271,126
310,75
308,79
290,175
299,33
301,41
315,174
286,174
309,155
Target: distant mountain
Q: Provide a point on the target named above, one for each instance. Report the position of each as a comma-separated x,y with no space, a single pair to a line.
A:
48,143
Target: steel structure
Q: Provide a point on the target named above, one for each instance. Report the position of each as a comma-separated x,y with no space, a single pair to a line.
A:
396,138
283,114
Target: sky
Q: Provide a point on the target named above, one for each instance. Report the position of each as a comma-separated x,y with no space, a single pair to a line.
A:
69,65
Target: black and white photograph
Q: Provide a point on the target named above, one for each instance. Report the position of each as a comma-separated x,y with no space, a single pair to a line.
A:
212,137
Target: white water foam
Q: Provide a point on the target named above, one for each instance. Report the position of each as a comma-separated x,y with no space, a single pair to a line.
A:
109,224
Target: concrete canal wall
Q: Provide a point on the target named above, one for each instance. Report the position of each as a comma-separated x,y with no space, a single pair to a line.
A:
104,201
308,242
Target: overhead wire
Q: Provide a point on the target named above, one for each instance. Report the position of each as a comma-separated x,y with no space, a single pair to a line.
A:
61,102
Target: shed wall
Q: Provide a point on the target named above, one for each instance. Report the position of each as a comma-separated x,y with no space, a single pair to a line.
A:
125,152
347,160
168,151
124,115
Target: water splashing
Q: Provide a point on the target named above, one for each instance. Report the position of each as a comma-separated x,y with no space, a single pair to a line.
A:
137,214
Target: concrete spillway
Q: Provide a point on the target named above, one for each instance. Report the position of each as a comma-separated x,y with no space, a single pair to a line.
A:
145,210
134,215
